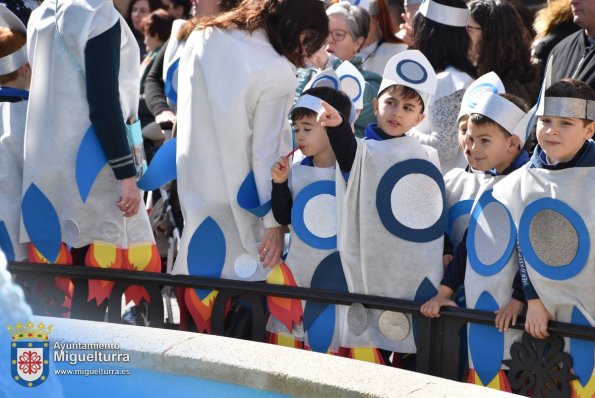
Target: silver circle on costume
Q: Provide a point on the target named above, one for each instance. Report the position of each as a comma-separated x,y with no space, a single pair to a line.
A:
554,249
110,231
245,266
416,201
70,232
137,229
357,319
320,216
492,233
394,325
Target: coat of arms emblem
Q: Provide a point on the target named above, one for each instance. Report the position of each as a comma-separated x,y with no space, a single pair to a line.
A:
30,353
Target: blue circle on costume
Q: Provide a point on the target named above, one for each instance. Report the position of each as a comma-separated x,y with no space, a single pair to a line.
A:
355,2
384,205
459,209
579,261
297,215
480,87
326,77
359,86
479,267
171,81
415,64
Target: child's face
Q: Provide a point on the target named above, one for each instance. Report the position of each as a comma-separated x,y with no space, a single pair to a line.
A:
464,142
395,114
561,138
311,137
490,147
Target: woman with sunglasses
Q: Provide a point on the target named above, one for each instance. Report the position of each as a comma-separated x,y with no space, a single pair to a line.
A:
349,26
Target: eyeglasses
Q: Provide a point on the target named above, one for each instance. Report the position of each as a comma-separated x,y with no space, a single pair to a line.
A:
469,27
338,34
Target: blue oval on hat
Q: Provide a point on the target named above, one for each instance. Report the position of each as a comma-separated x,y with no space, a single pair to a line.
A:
412,66
359,86
470,102
320,79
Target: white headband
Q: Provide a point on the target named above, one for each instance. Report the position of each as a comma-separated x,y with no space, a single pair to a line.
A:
446,15
503,112
568,107
13,61
490,82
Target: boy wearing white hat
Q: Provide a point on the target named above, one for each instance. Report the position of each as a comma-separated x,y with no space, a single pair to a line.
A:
393,208
486,258
15,78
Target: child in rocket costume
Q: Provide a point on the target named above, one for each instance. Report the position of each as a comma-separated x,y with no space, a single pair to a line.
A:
15,75
549,204
485,259
393,208
462,184
303,197
84,90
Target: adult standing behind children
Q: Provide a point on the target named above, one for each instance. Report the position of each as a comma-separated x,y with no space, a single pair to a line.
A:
84,89
439,32
232,125
574,57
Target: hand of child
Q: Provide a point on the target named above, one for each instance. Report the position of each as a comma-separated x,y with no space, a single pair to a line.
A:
431,308
508,314
329,116
537,319
280,170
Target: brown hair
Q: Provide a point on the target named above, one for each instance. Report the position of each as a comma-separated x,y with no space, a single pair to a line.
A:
406,92
335,98
10,41
482,120
158,23
386,24
284,21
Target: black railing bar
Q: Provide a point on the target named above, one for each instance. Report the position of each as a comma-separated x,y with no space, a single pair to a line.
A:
242,287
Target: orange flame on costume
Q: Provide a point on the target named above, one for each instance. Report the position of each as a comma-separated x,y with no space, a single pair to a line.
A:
64,258
200,310
141,257
285,340
368,354
287,311
499,382
578,391
102,255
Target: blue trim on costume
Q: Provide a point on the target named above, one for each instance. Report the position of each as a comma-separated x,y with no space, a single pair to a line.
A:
470,103
90,159
581,351
359,86
326,77
479,267
486,343
384,204
14,93
162,168
408,79
41,223
248,197
461,208
169,87
6,242
206,253
579,261
297,214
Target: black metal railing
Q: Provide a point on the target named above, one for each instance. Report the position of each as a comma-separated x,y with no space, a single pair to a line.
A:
438,342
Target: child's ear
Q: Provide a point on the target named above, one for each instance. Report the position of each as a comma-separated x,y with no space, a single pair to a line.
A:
375,105
514,142
420,117
589,130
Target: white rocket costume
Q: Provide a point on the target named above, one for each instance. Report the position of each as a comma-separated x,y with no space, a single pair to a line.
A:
12,134
393,219
492,257
438,130
555,234
232,127
462,185
171,63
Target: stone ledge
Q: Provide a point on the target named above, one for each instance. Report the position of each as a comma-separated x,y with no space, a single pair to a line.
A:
264,366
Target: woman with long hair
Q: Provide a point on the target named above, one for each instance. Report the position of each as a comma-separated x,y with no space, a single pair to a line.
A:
236,87
440,33
491,25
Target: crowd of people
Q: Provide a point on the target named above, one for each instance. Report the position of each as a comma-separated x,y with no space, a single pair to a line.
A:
443,152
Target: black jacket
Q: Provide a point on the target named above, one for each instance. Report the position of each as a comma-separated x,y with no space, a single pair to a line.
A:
574,58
